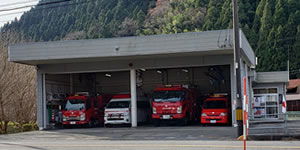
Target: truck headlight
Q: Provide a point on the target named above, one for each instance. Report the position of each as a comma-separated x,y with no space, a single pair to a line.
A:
65,118
203,114
179,110
223,114
82,117
154,110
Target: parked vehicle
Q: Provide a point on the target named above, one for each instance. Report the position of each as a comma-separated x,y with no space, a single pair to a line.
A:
216,109
174,102
118,110
82,109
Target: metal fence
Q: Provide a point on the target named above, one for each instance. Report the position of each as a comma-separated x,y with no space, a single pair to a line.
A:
286,124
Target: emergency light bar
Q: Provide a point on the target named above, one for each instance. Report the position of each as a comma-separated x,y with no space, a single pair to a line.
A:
219,95
173,86
82,94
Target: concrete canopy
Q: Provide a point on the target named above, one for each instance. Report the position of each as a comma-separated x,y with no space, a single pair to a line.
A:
204,48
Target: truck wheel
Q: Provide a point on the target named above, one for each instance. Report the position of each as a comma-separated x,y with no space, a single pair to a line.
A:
90,124
184,121
156,122
107,125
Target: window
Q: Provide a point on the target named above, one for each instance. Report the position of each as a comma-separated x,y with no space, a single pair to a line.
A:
215,104
265,91
265,103
118,104
168,96
75,104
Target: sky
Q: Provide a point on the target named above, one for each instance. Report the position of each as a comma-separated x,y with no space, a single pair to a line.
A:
6,16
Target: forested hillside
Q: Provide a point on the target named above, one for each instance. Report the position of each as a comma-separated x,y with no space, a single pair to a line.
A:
271,26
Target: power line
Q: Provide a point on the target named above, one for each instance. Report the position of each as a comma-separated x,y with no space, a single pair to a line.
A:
38,9
20,12
40,4
18,3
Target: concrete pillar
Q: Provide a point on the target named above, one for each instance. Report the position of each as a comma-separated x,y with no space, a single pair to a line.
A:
41,101
44,102
133,98
233,95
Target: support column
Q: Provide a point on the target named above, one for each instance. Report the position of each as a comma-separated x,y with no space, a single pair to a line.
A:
233,95
133,98
41,101
44,102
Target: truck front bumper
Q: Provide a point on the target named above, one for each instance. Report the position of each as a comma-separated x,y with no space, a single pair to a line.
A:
217,119
168,116
75,122
122,120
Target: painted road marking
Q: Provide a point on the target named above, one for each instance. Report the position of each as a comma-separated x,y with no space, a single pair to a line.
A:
154,145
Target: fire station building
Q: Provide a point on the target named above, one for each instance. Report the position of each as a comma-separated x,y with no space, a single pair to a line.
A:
132,64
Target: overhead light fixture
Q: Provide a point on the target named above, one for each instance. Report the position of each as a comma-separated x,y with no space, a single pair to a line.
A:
185,70
158,71
108,75
143,69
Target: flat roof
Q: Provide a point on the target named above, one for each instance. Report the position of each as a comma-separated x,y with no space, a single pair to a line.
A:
292,97
204,43
272,77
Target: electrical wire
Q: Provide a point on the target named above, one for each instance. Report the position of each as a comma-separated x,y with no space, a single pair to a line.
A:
40,4
77,3
37,9
18,3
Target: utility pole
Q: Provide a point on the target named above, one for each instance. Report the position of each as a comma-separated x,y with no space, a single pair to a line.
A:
237,65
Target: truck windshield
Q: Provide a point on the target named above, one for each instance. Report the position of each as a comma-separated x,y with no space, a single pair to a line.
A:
75,104
168,96
119,104
215,104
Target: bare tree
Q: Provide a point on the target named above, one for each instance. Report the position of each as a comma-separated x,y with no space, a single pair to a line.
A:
17,85
75,35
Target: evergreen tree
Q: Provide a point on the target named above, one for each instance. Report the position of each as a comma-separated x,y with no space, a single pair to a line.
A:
213,12
266,25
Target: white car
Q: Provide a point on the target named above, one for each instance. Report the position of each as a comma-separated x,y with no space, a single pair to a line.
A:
118,110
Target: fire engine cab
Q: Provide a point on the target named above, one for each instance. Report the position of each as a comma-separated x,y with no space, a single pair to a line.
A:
173,102
82,109
216,109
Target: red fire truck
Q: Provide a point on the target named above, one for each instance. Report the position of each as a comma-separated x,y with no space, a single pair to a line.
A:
216,109
82,109
173,102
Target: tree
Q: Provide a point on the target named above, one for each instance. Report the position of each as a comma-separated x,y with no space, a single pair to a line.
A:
17,86
254,37
212,15
295,57
266,25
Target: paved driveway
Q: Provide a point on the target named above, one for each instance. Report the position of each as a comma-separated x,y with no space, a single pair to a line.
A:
149,138
127,133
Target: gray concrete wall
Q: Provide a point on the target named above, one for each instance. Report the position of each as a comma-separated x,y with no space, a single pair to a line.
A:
118,47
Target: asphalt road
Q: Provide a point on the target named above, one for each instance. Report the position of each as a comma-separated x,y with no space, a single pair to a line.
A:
148,138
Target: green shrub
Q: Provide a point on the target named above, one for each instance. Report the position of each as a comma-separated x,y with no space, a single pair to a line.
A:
13,127
35,126
27,127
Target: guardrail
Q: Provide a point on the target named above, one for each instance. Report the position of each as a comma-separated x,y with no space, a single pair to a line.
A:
286,124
